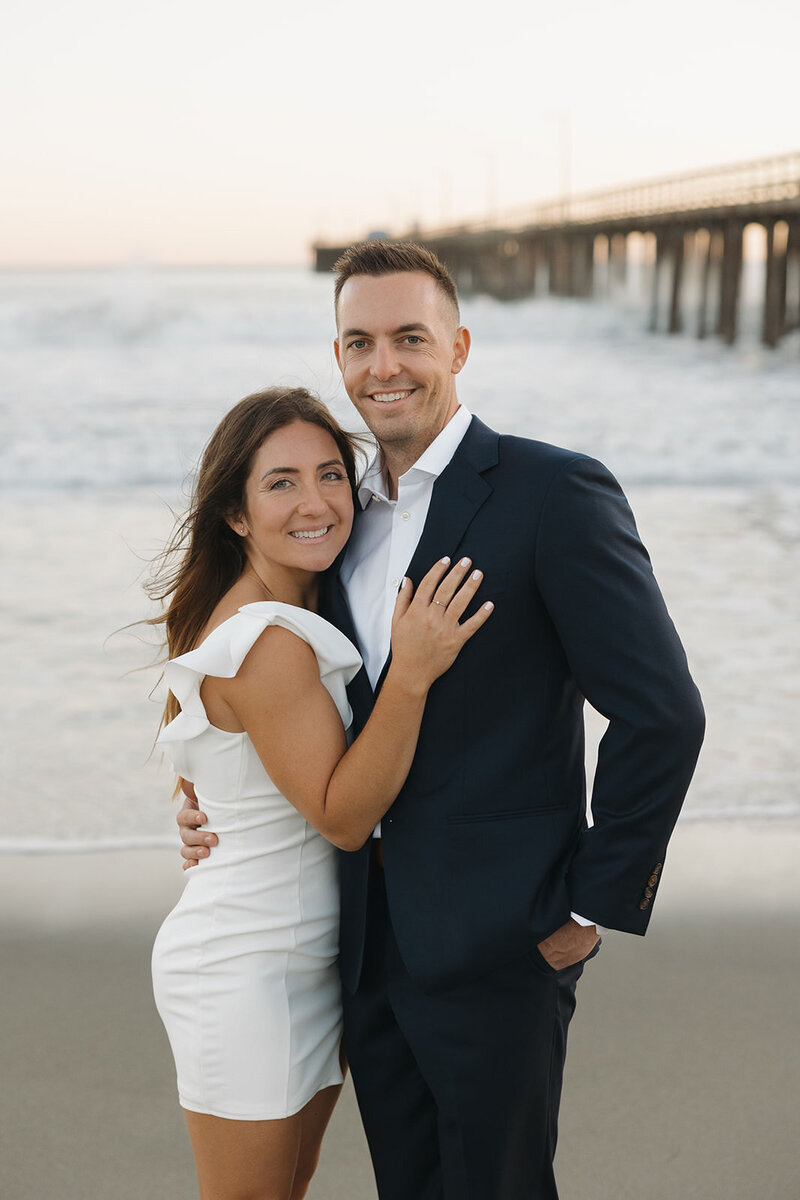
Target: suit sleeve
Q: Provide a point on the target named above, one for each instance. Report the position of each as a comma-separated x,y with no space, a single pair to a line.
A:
625,655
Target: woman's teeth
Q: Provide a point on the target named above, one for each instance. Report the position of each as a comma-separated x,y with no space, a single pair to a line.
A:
308,534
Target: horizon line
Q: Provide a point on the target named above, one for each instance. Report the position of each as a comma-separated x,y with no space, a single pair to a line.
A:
160,265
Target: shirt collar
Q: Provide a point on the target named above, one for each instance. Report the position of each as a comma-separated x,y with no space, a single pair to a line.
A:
431,462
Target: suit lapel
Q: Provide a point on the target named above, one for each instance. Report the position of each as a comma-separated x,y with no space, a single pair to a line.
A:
458,494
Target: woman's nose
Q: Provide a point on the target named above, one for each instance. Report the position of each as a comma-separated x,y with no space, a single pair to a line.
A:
312,501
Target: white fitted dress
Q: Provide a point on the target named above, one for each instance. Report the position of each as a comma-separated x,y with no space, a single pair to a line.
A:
244,967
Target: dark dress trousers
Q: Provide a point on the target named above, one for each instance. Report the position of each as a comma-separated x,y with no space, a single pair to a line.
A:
486,850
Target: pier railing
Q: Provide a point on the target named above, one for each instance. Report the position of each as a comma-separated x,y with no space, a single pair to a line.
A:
760,181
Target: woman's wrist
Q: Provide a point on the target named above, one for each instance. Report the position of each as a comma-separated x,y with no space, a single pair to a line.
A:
405,683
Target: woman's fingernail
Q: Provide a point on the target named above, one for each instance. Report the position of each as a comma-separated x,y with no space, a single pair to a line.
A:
476,574
488,606
403,584
445,560
464,562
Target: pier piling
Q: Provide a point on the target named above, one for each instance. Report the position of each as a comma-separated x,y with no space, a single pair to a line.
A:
730,277
676,255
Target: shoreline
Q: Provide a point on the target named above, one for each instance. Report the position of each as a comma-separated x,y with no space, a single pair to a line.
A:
755,816
742,865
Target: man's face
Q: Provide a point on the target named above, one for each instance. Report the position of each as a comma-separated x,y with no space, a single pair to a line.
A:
399,349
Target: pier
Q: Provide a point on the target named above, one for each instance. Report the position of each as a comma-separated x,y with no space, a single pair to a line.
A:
687,230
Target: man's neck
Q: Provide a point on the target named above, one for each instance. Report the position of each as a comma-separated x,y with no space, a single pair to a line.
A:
395,465
397,459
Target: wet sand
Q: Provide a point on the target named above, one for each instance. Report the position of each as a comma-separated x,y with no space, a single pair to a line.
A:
682,1078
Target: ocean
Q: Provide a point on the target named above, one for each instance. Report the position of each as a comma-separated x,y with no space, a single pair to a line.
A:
112,380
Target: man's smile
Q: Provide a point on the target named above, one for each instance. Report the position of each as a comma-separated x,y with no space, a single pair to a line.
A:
391,397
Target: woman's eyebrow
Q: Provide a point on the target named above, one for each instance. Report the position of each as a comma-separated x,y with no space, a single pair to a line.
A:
331,462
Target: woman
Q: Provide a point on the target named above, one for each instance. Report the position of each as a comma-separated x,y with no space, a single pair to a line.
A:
244,968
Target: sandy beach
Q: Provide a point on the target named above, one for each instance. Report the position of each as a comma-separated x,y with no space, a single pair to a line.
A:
682,1080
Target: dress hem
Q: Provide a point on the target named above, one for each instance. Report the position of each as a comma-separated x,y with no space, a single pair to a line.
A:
191,1106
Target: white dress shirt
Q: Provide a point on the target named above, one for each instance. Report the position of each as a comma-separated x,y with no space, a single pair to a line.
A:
385,537
383,543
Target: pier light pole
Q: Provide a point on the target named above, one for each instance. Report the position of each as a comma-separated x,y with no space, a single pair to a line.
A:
564,118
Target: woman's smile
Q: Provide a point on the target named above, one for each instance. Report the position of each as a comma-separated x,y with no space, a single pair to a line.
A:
298,509
310,534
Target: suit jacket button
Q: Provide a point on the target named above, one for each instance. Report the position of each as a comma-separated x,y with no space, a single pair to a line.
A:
644,904
652,881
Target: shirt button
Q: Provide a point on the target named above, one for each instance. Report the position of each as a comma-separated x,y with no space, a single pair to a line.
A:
406,516
395,583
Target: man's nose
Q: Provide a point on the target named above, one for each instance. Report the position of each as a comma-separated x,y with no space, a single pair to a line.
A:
384,361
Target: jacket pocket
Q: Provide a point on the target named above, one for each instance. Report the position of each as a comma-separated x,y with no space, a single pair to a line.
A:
510,814
542,965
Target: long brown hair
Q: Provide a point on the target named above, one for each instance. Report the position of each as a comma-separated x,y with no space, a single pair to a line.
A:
204,557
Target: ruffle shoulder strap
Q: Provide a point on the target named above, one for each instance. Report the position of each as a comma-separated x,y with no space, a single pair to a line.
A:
222,653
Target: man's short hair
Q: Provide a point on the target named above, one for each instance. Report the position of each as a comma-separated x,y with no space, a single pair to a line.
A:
390,258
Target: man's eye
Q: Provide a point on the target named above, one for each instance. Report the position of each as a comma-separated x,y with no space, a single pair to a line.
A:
358,344
413,339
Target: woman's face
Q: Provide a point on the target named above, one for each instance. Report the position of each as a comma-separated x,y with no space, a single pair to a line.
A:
298,503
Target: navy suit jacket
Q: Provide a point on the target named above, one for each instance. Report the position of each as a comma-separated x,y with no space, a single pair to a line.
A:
486,848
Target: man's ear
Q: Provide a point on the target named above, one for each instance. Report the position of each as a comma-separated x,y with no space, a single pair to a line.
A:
336,352
461,345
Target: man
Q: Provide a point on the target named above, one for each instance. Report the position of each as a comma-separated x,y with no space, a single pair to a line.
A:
466,924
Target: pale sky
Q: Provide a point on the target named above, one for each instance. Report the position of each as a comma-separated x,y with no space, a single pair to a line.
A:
180,131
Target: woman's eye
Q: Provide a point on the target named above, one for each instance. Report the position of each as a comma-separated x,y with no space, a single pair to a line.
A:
279,485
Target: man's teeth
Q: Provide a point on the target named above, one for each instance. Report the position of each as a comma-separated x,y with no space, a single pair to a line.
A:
388,397
310,533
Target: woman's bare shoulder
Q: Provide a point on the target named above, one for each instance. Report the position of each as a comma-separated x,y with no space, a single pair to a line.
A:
280,658
243,591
